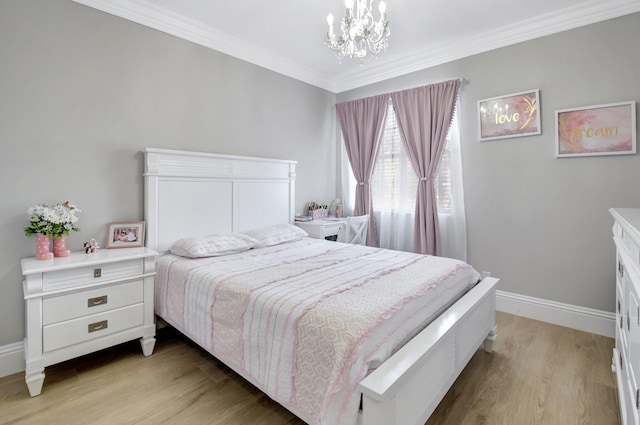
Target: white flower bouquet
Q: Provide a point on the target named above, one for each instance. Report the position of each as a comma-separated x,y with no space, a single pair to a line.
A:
56,220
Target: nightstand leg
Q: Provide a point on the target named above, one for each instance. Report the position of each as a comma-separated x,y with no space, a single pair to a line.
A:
34,380
147,343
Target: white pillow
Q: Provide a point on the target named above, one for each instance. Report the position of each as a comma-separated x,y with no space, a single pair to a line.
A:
277,234
213,245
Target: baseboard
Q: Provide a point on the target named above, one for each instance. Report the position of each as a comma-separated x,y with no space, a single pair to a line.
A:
11,359
571,316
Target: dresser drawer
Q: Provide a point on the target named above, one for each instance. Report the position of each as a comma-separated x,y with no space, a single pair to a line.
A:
72,306
617,230
86,328
92,274
629,245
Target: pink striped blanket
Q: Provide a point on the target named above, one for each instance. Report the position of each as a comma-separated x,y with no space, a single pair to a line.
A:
306,320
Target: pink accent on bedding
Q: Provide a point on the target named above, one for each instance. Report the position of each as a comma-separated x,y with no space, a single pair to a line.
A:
386,314
306,320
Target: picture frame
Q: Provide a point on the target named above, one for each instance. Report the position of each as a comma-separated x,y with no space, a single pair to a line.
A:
125,234
608,129
511,115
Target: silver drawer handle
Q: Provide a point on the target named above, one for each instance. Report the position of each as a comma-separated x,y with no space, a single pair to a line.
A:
98,326
92,302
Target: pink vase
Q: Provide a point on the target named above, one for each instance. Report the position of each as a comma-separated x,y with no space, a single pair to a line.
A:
42,247
59,249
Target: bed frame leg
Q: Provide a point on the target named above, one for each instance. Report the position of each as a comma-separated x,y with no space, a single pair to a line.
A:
489,340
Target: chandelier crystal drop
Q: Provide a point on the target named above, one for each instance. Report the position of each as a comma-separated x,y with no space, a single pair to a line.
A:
361,34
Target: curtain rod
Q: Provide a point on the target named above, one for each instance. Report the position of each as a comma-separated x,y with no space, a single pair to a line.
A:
463,81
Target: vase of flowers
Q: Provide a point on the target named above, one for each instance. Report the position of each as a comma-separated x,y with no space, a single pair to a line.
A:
59,246
55,222
43,242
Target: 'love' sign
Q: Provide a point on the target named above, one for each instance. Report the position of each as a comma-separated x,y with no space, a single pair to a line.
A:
509,116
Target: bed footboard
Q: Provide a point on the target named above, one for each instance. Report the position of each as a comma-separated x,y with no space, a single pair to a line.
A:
406,389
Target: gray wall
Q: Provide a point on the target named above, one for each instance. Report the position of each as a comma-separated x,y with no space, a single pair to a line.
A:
83,92
540,223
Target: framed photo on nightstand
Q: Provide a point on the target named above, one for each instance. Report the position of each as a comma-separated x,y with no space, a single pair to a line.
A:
125,235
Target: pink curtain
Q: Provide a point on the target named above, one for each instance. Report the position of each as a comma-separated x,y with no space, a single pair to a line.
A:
362,122
424,116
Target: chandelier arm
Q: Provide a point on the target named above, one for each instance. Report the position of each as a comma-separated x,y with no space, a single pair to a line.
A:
382,34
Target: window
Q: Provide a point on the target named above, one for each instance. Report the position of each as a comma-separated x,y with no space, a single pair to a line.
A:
394,182
443,180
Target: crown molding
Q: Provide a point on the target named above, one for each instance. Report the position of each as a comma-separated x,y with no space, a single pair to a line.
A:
570,18
150,15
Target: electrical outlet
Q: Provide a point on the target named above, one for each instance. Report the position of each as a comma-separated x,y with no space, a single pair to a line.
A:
485,274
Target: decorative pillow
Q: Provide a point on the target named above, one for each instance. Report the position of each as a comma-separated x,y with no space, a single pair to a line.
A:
213,245
277,234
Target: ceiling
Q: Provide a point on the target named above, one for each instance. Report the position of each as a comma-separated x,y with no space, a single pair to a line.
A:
287,36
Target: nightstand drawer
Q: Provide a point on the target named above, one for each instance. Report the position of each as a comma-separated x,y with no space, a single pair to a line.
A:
92,274
72,306
86,328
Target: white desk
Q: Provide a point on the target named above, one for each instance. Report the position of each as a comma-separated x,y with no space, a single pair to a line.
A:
324,229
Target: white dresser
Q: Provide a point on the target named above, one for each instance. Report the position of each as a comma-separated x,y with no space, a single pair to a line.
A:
86,302
626,354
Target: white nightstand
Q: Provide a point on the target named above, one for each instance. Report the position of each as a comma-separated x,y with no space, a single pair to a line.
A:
324,229
86,302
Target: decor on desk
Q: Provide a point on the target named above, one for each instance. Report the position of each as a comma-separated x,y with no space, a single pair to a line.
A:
361,34
512,115
47,222
596,130
125,235
317,211
336,208
91,246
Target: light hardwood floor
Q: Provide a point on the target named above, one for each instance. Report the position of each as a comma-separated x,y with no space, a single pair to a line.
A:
538,374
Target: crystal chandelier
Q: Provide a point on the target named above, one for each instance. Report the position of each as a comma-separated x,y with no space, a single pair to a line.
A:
360,33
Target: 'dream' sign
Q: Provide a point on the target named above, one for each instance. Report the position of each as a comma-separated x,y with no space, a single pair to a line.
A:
596,130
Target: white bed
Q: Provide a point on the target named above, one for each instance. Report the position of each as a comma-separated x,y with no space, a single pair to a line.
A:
189,194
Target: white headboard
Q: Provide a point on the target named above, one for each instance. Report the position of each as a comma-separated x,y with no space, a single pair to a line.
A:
197,194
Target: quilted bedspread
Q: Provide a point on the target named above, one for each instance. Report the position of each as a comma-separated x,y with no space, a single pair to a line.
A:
306,320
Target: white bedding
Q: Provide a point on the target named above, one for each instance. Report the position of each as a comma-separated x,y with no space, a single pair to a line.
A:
306,320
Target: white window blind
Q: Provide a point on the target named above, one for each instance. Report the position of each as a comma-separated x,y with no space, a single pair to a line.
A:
394,182
443,180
